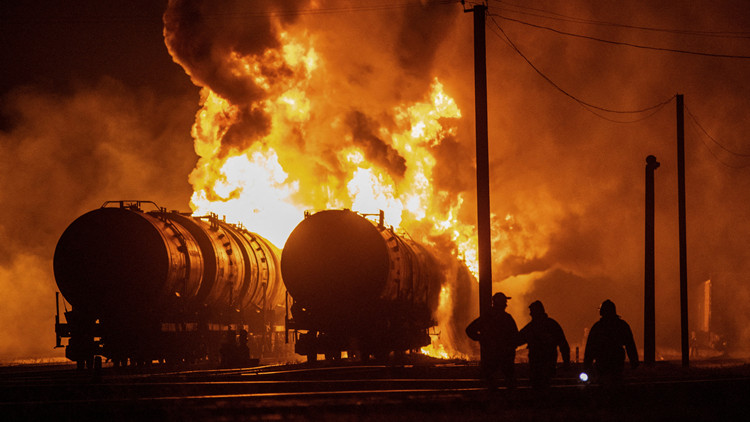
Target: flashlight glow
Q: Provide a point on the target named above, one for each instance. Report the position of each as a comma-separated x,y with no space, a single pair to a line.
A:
583,376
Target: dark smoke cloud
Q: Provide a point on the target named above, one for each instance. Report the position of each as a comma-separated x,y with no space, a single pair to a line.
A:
201,35
376,149
208,39
422,31
454,159
252,124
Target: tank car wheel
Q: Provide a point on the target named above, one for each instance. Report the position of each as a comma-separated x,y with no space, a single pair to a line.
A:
312,357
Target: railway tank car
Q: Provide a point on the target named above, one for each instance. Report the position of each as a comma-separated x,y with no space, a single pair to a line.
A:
358,287
163,285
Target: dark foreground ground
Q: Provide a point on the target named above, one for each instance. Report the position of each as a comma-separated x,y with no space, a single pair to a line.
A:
423,390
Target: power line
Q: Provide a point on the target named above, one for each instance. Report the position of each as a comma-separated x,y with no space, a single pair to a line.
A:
645,47
654,111
566,18
716,157
703,130
586,105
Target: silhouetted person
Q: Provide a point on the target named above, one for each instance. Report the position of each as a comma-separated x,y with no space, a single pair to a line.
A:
608,340
499,334
544,336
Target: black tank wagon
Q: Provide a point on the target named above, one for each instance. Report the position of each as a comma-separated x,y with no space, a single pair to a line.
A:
358,287
163,285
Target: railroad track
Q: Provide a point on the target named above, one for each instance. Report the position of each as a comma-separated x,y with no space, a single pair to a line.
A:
267,391
347,392
70,385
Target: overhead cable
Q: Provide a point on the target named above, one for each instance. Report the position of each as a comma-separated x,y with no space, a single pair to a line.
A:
716,157
645,47
565,18
695,121
588,106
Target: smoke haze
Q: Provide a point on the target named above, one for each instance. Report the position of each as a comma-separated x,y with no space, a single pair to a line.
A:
85,121
567,186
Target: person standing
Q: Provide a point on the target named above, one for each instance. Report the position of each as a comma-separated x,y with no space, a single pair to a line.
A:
543,336
609,339
499,334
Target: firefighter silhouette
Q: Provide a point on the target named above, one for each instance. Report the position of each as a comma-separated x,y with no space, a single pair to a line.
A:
543,336
609,339
499,334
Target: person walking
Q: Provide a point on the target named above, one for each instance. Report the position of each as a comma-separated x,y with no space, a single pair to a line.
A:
498,333
543,336
608,341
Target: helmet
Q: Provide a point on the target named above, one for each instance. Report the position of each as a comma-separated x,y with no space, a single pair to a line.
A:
607,308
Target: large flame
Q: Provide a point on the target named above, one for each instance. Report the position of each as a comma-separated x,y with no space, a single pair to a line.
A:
266,158
437,347
259,185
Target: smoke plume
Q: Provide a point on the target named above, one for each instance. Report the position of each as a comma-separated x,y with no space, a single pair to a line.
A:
567,182
309,79
65,156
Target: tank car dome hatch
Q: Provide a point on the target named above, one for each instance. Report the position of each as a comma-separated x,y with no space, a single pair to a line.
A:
110,259
335,259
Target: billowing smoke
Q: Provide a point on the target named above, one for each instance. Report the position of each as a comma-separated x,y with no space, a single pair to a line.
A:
567,185
308,85
375,149
64,156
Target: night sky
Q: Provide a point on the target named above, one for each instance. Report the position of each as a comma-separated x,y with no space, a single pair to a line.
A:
94,108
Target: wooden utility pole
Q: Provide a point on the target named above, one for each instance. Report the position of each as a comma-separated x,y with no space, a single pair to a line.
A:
685,335
649,296
483,170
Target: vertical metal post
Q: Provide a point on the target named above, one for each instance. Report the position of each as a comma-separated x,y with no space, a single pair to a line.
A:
685,335
649,296
483,171
58,339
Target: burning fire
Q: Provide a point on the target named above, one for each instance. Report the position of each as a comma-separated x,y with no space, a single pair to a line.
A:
287,145
260,185
437,348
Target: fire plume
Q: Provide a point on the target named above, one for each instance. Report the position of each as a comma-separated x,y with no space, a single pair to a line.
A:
256,180
290,138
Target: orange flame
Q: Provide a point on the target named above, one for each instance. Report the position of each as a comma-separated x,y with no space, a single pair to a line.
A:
437,347
306,158
259,185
